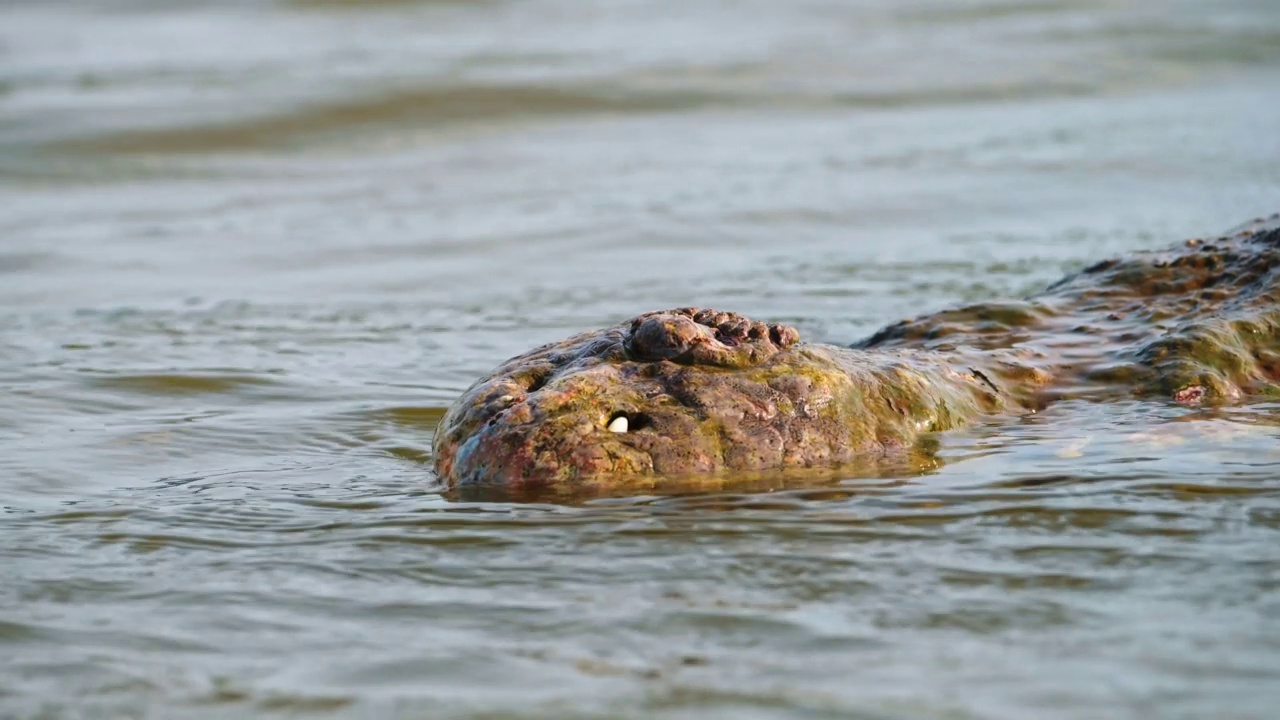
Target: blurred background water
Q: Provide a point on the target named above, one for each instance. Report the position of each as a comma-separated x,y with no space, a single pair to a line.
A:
250,250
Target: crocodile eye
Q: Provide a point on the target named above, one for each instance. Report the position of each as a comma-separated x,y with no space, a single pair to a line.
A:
624,422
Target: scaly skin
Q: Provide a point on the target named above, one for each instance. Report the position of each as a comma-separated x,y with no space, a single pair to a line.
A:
706,391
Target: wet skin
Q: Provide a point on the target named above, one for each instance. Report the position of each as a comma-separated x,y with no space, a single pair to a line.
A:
703,391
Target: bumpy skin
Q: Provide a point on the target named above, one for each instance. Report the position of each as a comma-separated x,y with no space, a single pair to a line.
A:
706,391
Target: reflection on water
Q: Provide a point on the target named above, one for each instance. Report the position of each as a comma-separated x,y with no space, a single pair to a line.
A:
253,249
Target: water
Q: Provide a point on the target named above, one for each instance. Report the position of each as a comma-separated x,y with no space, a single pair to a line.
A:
251,250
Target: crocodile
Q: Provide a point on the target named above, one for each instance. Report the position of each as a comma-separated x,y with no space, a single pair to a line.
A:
691,391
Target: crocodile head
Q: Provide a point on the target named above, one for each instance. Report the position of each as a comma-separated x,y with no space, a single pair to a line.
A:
677,392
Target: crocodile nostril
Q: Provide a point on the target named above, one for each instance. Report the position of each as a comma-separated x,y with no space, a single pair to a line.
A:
708,338
662,337
783,335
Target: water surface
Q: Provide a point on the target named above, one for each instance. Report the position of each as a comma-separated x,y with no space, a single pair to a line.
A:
251,250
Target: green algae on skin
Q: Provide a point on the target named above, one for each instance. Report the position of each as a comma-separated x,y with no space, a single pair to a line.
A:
690,392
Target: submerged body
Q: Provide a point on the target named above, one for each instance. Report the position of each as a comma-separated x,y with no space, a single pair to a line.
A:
692,391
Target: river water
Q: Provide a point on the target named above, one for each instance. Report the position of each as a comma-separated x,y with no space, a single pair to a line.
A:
251,250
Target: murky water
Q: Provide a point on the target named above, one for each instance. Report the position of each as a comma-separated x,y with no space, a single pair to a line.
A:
250,251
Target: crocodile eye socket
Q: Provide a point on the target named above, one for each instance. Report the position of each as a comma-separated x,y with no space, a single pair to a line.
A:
622,422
